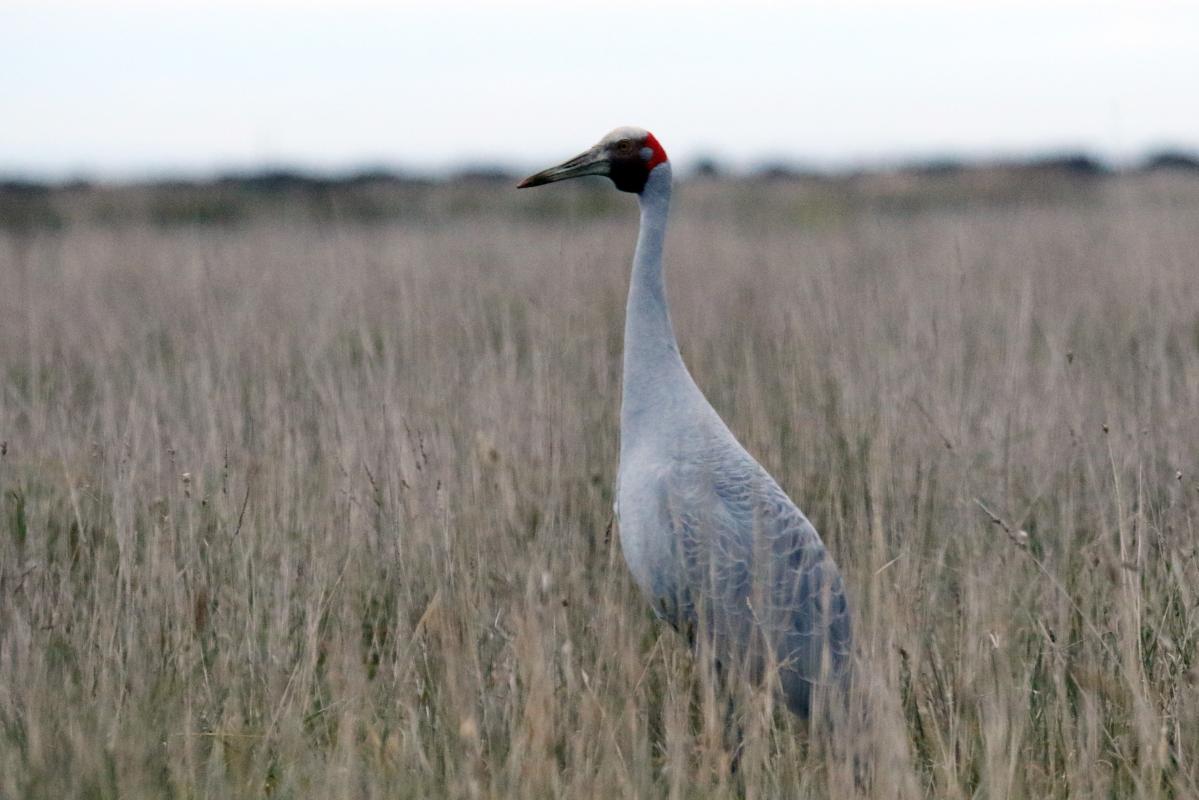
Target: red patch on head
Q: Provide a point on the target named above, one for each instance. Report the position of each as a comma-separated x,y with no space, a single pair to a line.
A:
659,155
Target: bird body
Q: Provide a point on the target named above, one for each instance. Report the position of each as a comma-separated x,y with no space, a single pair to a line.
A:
710,538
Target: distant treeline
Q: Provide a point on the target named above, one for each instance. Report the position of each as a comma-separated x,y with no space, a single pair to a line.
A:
382,195
1079,164
276,179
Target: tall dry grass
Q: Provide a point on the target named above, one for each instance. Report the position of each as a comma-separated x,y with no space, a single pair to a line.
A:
308,507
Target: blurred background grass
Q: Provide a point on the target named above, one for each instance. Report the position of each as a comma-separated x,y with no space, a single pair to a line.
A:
306,487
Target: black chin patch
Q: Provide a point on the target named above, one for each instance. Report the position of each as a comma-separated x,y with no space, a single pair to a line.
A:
629,174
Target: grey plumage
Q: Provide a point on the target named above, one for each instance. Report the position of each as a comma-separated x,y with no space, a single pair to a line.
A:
752,575
717,547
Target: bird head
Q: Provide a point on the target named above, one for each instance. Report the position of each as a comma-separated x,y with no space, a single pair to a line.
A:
626,155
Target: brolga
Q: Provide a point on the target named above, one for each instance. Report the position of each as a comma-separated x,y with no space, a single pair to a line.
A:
718,549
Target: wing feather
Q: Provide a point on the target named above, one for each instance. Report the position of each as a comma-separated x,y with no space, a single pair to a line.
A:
754,578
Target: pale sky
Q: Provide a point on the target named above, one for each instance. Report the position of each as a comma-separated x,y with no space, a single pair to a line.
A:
125,90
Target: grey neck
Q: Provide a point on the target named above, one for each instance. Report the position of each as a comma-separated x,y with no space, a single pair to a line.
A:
655,380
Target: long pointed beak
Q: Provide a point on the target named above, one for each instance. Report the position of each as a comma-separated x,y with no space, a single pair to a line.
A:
592,162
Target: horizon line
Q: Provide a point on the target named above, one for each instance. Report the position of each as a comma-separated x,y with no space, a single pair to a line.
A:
703,163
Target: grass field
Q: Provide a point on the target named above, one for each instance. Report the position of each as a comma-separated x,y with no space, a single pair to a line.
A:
312,499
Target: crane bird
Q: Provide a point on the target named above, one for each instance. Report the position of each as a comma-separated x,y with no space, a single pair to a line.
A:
719,550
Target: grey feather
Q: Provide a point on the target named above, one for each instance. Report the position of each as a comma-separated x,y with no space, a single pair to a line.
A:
752,576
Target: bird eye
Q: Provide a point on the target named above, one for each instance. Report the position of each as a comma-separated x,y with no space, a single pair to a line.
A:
624,145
